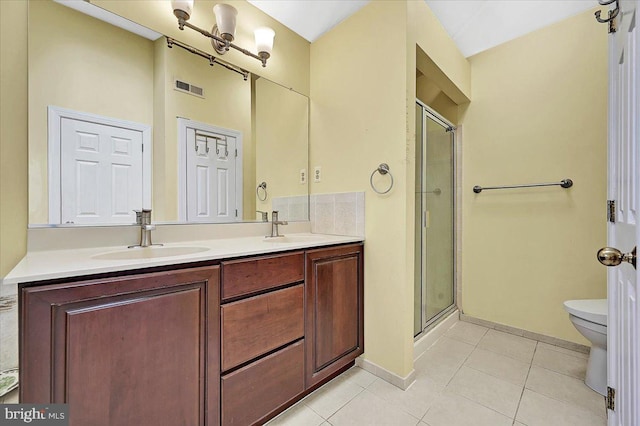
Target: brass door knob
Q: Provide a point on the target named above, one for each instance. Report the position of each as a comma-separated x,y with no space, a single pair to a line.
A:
610,256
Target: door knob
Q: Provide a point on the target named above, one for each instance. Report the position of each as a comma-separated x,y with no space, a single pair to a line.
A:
610,256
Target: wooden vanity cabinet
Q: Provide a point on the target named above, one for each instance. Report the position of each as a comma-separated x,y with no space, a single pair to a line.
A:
133,350
231,344
334,326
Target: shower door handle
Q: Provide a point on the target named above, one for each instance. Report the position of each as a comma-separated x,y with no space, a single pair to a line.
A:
610,256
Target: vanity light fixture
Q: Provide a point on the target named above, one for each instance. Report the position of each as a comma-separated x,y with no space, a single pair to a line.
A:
223,32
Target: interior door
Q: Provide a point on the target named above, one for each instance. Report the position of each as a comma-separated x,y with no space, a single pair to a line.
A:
101,172
211,177
209,173
623,232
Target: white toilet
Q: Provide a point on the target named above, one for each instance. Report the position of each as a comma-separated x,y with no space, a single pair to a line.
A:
590,318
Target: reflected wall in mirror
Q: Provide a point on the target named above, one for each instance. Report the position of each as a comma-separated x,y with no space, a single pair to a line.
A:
93,90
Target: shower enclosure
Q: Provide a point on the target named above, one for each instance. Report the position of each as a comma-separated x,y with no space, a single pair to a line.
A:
434,218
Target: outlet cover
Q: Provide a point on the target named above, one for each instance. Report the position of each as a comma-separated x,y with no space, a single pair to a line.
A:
303,176
317,174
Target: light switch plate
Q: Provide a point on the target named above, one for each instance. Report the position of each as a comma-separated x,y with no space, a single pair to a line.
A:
317,174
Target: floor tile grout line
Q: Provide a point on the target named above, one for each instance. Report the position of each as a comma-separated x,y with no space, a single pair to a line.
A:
568,404
563,401
306,398
515,416
499,378
496,353
452,376
474,402
341,407
558,372
457,370
460,340
508,356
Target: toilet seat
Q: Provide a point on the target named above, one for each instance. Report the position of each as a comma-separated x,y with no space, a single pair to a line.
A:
592,310
589,325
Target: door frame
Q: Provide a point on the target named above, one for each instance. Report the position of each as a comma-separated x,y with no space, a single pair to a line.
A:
183,124
55,114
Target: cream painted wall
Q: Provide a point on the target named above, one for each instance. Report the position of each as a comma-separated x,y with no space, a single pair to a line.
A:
13,134
289,62
77,62
435,54
234,112
282,140
431,95
355,128
539,114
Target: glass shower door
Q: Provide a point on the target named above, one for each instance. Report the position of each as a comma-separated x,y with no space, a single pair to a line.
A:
434,225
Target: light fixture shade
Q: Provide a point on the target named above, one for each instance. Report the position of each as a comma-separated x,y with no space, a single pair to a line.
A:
264,39
226,20
185,6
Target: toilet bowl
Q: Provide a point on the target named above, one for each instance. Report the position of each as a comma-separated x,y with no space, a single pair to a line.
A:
590,319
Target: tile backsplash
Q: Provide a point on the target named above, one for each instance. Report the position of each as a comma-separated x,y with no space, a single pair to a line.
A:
294,208
338,213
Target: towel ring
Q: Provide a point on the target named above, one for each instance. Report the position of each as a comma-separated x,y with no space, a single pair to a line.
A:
383,169
262,186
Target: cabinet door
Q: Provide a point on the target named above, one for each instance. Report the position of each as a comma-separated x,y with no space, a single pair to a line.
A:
334,332
138,350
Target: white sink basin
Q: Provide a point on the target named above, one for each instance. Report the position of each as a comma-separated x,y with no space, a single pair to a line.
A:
149,253
293,239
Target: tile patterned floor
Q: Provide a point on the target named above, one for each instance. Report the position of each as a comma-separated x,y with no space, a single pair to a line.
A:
470,376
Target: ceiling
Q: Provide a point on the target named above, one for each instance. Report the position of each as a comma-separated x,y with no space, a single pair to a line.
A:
474,25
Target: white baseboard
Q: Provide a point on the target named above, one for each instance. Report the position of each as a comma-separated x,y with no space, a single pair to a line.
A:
386,375
525,333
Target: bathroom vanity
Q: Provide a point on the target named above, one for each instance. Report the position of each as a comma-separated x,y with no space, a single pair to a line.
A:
231,340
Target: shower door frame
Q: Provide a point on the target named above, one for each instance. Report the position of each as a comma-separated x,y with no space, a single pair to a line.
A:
428,112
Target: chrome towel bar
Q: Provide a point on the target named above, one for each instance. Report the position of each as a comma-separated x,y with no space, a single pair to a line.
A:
565,183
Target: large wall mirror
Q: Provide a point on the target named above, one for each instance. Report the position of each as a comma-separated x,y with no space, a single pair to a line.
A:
120,122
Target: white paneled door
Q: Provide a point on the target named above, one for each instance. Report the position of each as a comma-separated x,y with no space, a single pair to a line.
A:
101,179
623,331
211,173
99,169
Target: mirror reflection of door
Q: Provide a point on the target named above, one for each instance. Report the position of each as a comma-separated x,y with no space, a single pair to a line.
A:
210,173
96,168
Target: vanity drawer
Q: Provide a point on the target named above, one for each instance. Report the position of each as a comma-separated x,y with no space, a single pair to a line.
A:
240,277
254,391
257,325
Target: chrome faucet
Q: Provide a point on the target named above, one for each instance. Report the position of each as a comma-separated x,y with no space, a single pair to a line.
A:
265,215
143,218
274,225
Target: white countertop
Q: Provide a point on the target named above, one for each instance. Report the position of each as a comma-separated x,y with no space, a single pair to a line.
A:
51,264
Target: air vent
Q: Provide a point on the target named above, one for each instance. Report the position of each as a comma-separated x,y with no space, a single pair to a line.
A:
183,86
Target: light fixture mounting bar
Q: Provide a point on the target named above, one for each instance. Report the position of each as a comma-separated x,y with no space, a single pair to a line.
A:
183,23
212,59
